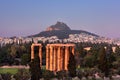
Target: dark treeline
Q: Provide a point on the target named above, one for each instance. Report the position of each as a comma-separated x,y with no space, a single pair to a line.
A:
13,54
100,58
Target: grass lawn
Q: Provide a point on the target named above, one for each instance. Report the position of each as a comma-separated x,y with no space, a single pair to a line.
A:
13,70
8,70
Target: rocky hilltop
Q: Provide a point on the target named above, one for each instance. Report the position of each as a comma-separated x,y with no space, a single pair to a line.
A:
58,26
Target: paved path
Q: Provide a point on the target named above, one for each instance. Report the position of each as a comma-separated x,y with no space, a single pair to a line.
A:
14,66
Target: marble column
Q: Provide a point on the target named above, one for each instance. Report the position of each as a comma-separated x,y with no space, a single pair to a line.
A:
47,60
73,50
40,55
58,60
48,57
32,52
54,62
61,59
57,56
66,57
51,58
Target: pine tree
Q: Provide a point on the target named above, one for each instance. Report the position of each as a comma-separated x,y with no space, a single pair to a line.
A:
72,65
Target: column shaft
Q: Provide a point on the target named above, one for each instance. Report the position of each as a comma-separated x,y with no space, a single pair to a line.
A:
61,58
54,64
47,58
32,52
51,57
66,57
40,55
73,50
58,60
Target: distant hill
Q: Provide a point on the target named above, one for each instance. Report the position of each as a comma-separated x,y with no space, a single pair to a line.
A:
61,30
58,26
61,34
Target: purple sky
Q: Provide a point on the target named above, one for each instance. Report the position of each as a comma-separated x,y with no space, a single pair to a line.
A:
26,17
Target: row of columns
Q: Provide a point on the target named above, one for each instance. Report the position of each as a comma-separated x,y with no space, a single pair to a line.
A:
57,55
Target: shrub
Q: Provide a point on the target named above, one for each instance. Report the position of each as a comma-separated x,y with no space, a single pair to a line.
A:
6,76
22,74
61,74
47,75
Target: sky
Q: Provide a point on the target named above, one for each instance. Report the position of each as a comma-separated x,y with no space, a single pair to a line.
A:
27,17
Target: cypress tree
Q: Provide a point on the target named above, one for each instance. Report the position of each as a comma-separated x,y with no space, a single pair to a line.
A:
101,59
103,63
72,65
35,68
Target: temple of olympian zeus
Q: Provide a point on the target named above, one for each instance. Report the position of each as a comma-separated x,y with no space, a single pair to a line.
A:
57,55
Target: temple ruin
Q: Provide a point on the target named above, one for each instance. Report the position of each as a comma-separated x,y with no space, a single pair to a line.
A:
57,55
40,52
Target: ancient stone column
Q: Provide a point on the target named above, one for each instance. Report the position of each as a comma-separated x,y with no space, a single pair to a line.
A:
73,50
32,52
47,56
61,58
40,55
58,61
57,56
51,57
54,63
66,57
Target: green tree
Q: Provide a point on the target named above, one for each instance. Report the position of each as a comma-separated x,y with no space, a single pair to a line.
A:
92,57
22,74
72,65
13,51
101,58
80,54
21,49
103,64
35,68
89,61
117,51
110,56
5,57
6,76
25,59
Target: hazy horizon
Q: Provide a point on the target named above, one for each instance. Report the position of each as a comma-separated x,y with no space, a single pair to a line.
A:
27,17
